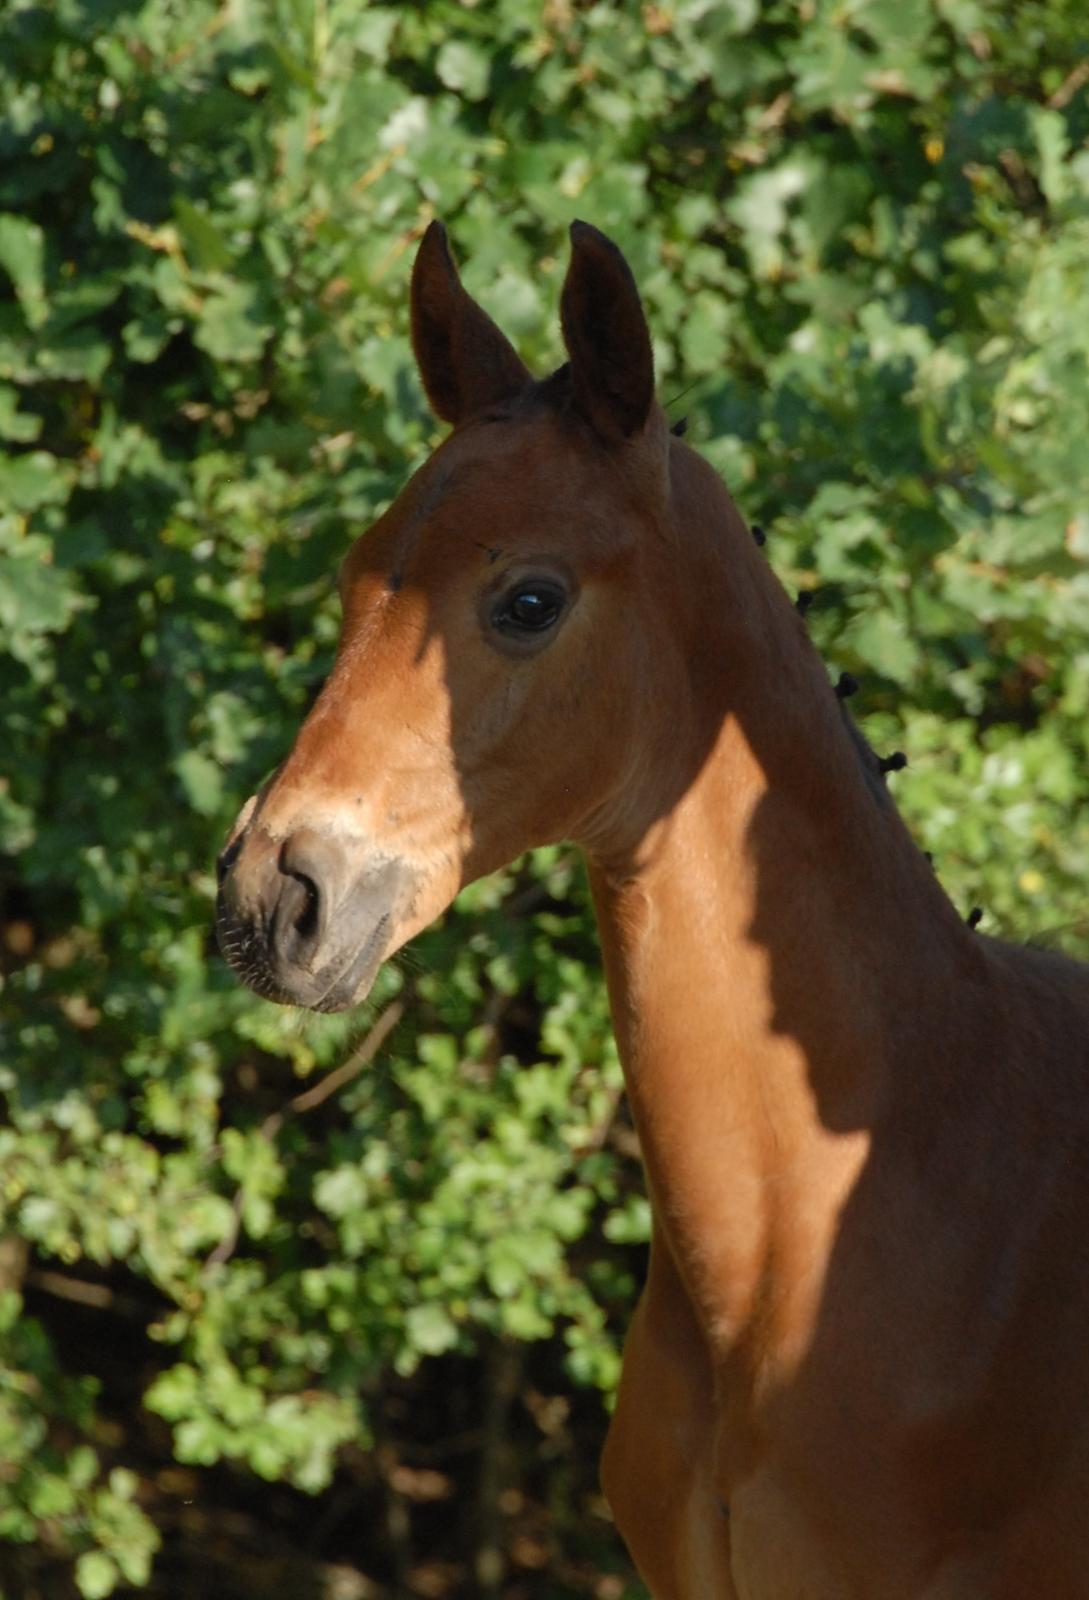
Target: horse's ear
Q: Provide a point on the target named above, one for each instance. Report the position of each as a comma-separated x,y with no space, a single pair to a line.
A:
465,362
605,331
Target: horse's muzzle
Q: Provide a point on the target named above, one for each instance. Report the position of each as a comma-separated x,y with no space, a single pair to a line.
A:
306,920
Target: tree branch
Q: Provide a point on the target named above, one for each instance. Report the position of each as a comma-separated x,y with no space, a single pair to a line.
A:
360,1057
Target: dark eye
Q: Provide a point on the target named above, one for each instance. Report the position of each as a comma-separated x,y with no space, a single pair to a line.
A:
531,608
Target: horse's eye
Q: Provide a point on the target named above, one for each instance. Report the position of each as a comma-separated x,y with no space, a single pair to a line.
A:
532,608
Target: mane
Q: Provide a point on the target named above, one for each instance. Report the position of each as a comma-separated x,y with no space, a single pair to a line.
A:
868,759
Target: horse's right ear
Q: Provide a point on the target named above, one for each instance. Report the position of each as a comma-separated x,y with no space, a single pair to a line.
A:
465,362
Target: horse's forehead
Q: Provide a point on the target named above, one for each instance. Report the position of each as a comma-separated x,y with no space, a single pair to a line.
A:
520,454
507,476
528,483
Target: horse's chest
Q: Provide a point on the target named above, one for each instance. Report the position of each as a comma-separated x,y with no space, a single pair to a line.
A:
819,1512
776,1553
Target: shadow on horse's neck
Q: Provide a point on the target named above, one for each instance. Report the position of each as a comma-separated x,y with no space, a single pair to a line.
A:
776,946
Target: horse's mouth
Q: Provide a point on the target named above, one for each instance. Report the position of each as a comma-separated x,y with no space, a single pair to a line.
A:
354,983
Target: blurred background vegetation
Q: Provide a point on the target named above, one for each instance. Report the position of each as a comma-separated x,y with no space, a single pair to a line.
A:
267,1331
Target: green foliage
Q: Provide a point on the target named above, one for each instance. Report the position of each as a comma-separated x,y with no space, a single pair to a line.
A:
862,232
58,1495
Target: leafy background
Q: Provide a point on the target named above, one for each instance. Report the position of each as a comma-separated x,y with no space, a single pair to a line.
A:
259,1328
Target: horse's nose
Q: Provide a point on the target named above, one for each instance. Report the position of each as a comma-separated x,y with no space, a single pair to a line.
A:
276,900
310,866
305,919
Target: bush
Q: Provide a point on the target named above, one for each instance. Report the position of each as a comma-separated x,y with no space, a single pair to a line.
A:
862,233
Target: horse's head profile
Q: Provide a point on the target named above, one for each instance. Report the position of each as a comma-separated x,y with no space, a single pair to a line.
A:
506,625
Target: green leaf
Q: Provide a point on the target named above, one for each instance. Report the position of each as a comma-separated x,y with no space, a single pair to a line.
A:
230,326
202,781
16,425
464,67
204,242
429,1329
96,1575
35,597
880,640
22,253
32,480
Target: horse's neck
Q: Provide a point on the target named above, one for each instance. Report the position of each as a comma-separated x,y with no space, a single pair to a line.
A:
773,947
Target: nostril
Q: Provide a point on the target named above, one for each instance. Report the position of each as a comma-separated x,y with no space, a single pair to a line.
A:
307,919
310,865
296,931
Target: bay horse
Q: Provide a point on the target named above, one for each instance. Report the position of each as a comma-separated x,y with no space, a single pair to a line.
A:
859,1369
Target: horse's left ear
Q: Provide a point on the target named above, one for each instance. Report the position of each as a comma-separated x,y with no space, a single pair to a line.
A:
465,362
605,331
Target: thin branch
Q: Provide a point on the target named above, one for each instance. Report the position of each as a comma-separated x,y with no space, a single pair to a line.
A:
361,1056
225,1249
503,1367
1069,86
98,1296
65,1288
